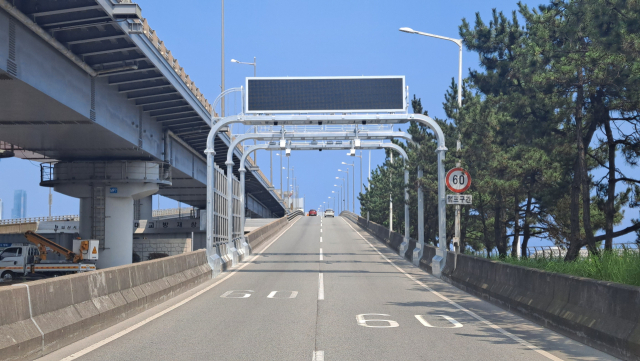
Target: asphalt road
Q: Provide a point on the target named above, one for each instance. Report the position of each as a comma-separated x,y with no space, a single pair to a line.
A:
326,290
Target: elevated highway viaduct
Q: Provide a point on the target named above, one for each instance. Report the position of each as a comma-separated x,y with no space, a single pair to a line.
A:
89,84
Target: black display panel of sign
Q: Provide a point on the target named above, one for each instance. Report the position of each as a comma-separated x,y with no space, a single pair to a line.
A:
325,95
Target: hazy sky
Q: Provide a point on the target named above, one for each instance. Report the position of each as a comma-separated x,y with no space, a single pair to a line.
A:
295,38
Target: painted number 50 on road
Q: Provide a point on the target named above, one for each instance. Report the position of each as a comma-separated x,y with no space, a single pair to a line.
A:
458,180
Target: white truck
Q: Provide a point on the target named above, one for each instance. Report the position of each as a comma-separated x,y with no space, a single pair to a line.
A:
32,258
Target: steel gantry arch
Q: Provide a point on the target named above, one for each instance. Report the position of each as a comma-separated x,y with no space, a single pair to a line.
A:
438,261
369,145
288,136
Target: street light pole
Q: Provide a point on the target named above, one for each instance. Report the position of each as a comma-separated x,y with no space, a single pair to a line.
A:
341,193
281,189
353,184
346,171
334,200
255,156
456,238
222,61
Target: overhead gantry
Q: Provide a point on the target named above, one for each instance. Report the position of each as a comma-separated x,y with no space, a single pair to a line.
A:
438,261
364,145
286,136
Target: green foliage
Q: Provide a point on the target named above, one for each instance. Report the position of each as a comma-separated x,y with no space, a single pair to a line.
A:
622,267
557,97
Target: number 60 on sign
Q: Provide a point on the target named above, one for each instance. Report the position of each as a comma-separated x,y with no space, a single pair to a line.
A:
458,180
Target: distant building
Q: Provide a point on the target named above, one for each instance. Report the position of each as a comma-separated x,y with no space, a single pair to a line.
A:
19,204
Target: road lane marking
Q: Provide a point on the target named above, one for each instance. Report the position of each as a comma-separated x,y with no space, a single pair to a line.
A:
471,313
318,356
363,322
292,295
244,294
165,311
320,287
320,239
321,254
425,323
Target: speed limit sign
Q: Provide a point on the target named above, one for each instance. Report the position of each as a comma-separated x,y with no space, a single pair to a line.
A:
458,180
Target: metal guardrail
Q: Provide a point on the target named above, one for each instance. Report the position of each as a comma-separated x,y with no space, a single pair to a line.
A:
74,217
172,212
557,252
107,171
39,219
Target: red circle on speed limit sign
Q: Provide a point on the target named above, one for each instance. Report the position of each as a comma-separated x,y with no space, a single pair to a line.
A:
458,180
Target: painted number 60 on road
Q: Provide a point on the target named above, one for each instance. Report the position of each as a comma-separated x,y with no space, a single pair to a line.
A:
458,180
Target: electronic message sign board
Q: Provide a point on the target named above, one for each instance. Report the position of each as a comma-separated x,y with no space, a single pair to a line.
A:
364,94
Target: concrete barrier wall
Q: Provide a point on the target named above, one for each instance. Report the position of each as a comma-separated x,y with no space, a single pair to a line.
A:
392,239
603,315
258,236
69,308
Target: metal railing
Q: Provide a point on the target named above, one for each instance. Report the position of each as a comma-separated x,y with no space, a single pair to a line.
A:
122,170
173,212
558,252
321,128
39,219
188,211
551,252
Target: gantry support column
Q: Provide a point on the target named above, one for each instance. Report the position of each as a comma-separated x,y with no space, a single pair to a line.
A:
419,250
232,251
245,246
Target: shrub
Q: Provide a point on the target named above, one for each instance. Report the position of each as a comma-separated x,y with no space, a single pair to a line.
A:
617,266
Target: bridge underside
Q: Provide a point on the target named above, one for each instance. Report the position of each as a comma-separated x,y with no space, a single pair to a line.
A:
124,97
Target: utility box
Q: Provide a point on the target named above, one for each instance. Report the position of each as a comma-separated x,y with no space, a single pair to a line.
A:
88,248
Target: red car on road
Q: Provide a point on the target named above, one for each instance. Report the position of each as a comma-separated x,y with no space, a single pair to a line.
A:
313,212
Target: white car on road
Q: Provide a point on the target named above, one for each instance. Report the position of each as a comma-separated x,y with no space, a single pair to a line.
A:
329,213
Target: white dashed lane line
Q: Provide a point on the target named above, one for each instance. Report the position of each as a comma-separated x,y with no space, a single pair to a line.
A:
320,287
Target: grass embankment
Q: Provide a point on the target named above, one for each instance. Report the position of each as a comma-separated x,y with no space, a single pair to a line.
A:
622,267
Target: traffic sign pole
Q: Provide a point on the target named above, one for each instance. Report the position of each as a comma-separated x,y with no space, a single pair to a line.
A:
458,180
456,235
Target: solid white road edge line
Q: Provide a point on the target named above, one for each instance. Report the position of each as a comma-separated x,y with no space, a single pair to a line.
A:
471,313
165,311
320,287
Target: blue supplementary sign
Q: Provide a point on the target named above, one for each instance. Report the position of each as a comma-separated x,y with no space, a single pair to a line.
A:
5,245
113,190
325,94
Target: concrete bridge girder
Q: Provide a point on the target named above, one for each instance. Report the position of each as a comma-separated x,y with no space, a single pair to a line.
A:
57,108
